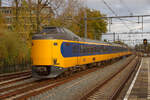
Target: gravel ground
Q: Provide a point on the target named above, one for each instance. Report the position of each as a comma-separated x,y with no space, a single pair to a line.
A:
76,89
108,89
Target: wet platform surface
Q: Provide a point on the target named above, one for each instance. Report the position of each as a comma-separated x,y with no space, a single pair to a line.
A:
140,87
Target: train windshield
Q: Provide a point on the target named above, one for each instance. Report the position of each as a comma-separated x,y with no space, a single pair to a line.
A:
71,34
50,30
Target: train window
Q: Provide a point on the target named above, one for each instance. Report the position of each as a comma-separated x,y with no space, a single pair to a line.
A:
113,49
50,30
86,48
81,48
100,49
104,49
95,49
74,48
92,49
117,49
83,51
108,48
71,34
67,44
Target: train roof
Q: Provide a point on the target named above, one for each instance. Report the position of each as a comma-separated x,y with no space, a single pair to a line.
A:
52,32
96,41
56,33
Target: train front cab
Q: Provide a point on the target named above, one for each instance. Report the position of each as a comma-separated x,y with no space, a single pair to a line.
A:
45,61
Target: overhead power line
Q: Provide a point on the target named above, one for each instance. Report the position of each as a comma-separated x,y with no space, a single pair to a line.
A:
109,8
118,17
115,14
133,33
128,9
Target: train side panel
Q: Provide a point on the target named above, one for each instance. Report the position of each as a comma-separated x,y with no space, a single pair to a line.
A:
70,59
96,58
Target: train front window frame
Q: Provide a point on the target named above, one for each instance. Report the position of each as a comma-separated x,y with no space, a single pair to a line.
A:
50,30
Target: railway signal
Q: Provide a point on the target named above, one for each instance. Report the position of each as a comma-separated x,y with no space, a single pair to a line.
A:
145,41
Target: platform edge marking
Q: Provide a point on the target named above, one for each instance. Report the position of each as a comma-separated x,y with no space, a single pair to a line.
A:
148,96
133,82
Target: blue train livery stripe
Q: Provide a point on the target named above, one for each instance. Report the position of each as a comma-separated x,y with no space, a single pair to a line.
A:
70,49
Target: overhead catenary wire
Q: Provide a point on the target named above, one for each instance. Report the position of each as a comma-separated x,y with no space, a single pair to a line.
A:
128,9
115,14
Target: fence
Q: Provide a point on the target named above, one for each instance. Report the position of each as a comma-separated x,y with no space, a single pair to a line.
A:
9,68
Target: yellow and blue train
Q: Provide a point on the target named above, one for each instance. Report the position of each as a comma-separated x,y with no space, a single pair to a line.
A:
56,50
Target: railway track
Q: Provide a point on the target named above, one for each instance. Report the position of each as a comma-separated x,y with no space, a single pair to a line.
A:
132,72
110,89
10,79
36,87
31,87
6,77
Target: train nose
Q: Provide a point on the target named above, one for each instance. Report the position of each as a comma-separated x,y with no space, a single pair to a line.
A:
41,52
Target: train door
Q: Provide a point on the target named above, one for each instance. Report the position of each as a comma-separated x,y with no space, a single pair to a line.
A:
78,55
76,50
81,58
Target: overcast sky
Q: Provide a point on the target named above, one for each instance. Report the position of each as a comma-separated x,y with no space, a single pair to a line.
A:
124,7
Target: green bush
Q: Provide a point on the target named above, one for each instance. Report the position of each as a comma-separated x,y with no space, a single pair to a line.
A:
14,50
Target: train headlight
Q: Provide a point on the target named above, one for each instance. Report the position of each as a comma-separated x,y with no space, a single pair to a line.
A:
55,61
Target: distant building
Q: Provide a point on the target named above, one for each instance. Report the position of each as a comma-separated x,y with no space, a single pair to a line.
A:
28,18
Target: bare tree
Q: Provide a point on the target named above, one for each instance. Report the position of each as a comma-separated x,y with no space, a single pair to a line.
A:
17,2
40,7
44,10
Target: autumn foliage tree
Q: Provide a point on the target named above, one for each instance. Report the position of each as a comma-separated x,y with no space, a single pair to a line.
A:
12,49
95,27
75,22
29,16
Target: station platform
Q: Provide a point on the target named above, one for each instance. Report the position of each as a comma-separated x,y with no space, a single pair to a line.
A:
140,86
